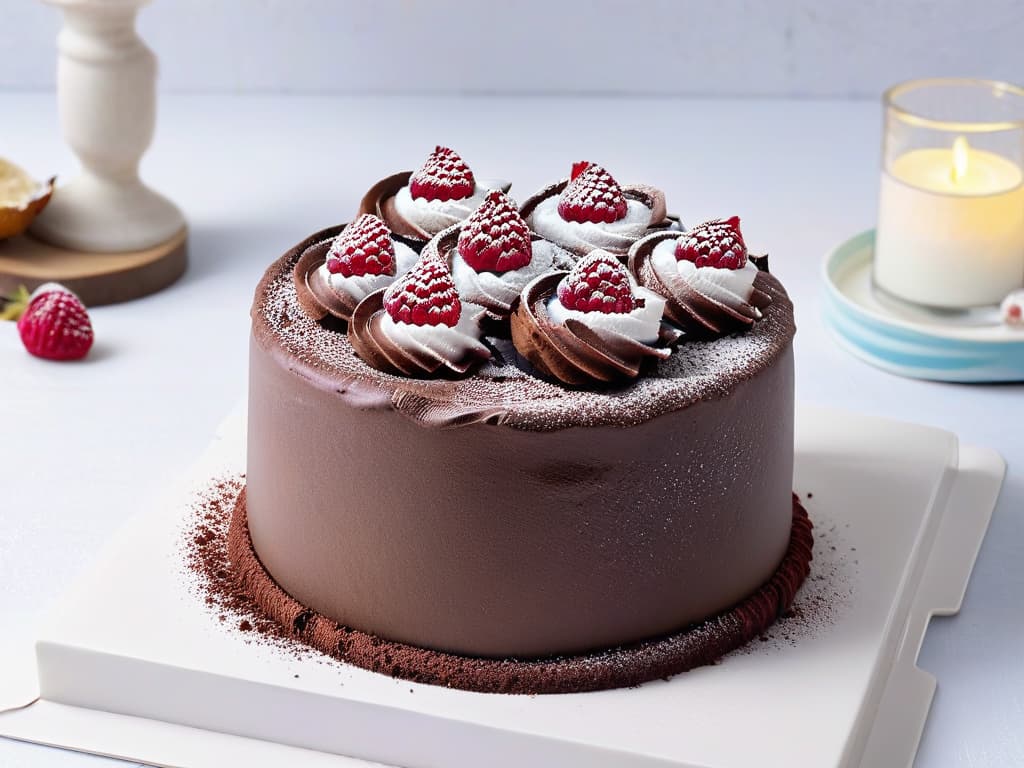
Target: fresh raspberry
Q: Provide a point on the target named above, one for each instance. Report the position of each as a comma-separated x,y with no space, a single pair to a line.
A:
591,195
443,177
364,247
425,295
598,283
716,243
495,238
55,324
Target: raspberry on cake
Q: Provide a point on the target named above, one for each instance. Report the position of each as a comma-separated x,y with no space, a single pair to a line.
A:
493,255
716,243
417,205
445,176
363,248
419,325
591,325
599,283
335,274
592,210
425,296
711,285
495,238
592,195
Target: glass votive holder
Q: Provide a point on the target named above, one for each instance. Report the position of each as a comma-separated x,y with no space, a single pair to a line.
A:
950,232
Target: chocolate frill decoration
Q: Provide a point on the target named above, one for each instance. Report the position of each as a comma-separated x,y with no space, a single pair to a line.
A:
380,201
315,295
572,352
700,316
649,196
372,343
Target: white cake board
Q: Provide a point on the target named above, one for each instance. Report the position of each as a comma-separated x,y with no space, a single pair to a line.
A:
133,665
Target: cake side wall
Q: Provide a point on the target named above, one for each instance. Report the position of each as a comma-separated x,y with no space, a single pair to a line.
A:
492,541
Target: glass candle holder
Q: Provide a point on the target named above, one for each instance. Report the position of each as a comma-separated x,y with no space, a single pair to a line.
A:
951,208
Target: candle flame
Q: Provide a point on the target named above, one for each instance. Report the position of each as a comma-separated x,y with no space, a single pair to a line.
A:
960,152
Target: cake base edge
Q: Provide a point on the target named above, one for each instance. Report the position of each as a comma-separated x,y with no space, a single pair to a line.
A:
698,645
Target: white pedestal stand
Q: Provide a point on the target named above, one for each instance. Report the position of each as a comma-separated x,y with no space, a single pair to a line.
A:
106,89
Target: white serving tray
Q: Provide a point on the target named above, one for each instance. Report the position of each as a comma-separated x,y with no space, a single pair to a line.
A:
132,664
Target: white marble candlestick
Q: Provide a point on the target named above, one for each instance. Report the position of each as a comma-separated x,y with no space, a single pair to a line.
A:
106,88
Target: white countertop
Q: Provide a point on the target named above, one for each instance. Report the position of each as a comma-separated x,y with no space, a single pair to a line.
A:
85,445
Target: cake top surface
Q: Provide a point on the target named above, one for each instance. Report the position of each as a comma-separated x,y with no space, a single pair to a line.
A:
503,390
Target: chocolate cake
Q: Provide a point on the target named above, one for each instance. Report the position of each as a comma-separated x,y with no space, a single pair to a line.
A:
491,490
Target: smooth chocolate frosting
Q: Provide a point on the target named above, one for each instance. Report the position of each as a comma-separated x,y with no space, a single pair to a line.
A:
699,315
571,352
541,520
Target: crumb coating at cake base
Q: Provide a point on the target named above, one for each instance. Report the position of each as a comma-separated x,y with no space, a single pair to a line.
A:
501,515
654,659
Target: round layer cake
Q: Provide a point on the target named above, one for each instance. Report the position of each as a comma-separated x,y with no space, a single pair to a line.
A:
503,515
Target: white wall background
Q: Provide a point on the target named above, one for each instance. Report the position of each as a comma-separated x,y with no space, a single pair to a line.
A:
812,48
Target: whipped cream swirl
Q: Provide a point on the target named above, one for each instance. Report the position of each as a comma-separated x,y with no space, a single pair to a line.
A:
643,324
583,237
496,291
705,302
416,350
357,287
583,349
432,216
446,343
732,287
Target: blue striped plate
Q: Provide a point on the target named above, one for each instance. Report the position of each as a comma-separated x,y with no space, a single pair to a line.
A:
904,345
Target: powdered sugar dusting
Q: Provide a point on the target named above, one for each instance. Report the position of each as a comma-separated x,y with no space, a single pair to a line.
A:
696,371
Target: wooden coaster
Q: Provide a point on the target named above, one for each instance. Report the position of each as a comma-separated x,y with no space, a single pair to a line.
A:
97,278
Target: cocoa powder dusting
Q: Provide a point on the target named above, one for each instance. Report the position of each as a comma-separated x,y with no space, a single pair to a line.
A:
206,559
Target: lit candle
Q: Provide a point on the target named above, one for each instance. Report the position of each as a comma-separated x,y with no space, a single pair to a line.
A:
951,219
